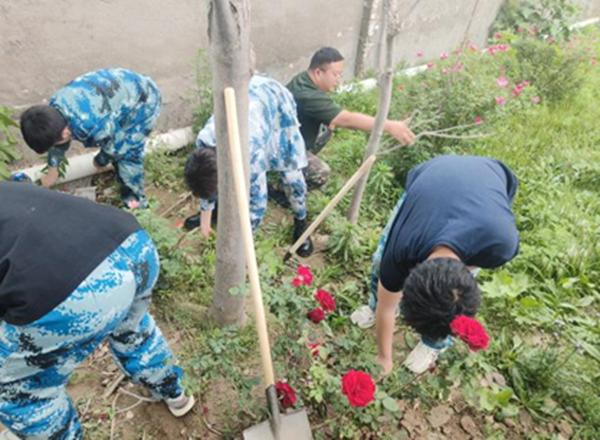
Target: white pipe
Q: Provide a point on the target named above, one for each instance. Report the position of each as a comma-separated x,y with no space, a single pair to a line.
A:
83,165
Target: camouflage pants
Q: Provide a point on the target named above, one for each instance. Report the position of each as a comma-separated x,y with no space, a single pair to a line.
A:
317,172
37,360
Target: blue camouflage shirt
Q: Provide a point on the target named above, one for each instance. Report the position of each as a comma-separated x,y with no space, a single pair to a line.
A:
275,140
101,107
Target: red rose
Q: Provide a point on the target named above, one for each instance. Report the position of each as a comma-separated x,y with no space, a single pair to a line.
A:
326,301
358,387
470,331
317,315
285,394
304,278
315,348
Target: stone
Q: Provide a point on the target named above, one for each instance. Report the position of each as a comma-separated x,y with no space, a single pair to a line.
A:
565,428
510,423
470,427
439,416
526,420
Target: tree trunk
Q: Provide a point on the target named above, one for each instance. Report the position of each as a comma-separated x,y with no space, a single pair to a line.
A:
383,108
229,35
367,29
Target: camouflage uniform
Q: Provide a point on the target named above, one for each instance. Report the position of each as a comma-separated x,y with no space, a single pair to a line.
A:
116,110
37,360
275,145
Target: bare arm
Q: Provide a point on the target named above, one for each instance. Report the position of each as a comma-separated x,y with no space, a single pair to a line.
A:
50,178
205,219
359,121
387,304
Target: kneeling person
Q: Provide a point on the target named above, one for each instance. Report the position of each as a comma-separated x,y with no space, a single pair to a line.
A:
64,288
454,218
275,145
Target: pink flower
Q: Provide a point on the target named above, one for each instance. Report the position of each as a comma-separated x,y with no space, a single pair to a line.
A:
430,65
491,50
535,99
180,224
520,86
516,92
502,81
324,298
457,53
526,83
519,29
133,204
445,70
317,315
498,36
304,278
502,47
443,56
593,62
478,120
458,67
500,100
419,54
473,47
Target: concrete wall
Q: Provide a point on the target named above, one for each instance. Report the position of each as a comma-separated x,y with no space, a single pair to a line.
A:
46,43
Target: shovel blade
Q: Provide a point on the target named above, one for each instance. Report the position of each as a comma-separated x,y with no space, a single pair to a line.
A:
294,426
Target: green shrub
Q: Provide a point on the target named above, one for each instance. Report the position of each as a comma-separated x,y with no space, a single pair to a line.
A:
7,141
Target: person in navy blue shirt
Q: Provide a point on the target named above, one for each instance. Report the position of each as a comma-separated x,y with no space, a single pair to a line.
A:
454,218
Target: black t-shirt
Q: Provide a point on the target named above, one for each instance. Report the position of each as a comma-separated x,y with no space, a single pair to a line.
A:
315,108
460,202
49,243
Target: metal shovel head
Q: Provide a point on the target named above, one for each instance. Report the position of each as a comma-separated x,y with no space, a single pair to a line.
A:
294,426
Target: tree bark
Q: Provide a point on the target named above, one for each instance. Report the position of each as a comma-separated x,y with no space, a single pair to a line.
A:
367,29
383,108
229,36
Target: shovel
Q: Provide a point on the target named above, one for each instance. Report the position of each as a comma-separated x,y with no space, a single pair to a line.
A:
339,196
292,426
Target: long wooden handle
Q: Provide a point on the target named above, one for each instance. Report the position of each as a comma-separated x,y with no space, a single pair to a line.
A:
244,213
349,184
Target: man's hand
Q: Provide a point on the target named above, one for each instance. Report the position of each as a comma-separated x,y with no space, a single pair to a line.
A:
205,220
386,365
400,131
50,178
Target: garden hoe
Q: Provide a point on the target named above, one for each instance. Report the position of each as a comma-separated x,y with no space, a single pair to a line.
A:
293,426
339,196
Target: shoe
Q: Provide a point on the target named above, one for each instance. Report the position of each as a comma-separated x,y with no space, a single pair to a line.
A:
425,356
278,196
180,406
7,435
306,248
363,317
192,222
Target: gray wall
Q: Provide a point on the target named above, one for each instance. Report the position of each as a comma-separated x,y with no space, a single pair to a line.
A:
46,43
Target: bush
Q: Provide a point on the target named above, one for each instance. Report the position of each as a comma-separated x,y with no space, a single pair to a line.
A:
7,141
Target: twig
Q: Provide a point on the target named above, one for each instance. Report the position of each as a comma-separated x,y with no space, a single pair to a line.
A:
181,200
113,421
181,239
113,386
142,398
208,425
456,136
325,423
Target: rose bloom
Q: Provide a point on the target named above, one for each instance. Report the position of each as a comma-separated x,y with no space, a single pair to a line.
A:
499,100
317,315
324,298
430,65
470,331
315,348
359,387
443,56
502,82
286,394
478,120
304,278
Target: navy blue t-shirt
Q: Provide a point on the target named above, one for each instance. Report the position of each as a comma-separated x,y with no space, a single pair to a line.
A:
460,202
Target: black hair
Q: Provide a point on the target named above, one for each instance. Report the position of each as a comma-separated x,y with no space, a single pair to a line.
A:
436,292
201,172
325,55
42,127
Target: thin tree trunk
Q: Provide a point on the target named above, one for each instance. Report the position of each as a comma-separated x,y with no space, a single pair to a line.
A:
229,35
380,44
383,108
367,29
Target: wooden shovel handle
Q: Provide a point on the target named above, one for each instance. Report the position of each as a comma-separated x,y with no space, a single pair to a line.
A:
244,213
349,184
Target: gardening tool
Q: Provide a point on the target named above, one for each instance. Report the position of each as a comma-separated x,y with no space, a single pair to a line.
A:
349,184
293,426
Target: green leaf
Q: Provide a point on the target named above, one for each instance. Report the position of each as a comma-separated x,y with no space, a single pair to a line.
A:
390,404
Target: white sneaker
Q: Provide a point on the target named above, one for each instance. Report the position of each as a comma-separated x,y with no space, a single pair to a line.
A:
363,317
180,406
423,357
7,435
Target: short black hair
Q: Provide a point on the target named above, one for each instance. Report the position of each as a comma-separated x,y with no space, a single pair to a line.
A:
201,172
42,127
436,292
325,55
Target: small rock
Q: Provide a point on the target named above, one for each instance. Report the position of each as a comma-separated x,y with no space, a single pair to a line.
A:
551,427
470,427
565,428
129,415
526,420
440,415
576,416
489,420
510,423
499,379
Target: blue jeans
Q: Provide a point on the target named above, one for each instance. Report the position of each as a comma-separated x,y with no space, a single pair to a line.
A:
37,360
